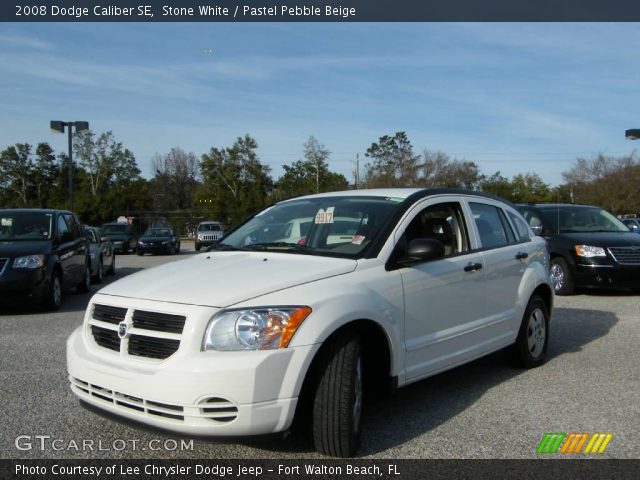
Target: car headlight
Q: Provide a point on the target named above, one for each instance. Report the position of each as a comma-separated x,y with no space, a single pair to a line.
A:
266,328
590,251
165,242
30,261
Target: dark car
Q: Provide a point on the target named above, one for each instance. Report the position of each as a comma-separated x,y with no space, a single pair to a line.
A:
633,224
158,240
101,252
42,253
589,246
123,236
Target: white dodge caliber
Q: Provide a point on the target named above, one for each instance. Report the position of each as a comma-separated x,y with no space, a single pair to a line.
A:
303,308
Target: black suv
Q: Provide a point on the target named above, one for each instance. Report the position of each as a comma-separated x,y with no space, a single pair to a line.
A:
589,246
123,236
42,253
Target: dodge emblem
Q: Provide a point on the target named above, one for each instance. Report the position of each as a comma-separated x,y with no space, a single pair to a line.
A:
122,329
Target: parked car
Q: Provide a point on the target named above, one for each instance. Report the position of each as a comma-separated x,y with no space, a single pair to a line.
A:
589,246
101,253
123,236
158,240
244,338
42,253
208,233
633,224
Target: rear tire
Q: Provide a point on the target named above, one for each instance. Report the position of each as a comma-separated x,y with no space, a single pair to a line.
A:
530,349
99,277
112,268
337,404
85,285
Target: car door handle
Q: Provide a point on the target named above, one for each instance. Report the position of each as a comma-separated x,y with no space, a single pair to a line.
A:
521,255
472,267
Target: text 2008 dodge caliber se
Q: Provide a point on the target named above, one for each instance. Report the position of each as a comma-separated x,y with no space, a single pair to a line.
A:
302,308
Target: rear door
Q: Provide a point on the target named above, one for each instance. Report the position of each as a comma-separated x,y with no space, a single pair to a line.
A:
506,255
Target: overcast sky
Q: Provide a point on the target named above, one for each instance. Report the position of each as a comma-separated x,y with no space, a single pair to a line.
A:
512,97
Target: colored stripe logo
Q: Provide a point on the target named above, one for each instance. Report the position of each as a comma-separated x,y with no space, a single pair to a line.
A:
573,443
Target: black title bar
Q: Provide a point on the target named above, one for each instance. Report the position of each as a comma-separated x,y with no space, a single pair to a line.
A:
319,10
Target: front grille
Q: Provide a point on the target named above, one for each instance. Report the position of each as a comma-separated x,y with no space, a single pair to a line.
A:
626,255
153,335
161,322
213,236
106,338
109,314
3,263
130,402
152,347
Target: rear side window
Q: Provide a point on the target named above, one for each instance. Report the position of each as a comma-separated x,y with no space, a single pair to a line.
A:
522,230
492,226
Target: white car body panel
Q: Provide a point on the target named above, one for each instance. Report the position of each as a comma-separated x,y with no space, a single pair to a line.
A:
434,316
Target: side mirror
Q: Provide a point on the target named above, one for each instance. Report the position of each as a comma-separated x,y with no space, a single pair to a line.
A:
422,250
104,239
537,229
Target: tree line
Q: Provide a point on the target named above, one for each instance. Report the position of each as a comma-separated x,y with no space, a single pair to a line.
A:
229,183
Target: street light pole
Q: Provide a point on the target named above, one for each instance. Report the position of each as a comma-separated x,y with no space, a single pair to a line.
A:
58,126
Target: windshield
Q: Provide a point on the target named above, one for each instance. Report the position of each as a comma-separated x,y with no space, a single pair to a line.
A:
209,227
157,232
583,220
331,226
26,226
114,229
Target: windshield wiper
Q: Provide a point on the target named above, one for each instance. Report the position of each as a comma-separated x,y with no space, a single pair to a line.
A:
280,246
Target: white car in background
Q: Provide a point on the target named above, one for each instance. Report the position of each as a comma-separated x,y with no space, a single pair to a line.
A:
240,340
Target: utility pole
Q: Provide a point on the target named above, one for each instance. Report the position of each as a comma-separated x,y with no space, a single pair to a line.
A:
58,126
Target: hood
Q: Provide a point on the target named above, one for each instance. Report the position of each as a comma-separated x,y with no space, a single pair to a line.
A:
20,248
221,279
603,239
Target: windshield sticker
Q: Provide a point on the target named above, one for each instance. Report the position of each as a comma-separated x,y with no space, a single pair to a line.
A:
325,216
395,199
7,222
358,239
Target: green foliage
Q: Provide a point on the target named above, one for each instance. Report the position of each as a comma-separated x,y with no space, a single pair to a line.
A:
235,183
394,163
520,189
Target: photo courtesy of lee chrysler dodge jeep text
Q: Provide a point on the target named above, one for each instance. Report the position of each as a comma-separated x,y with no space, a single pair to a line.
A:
371,288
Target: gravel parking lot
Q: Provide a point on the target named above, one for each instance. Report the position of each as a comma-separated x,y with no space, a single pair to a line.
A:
482,410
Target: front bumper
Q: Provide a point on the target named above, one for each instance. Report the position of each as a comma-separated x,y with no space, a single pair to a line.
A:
196,393
22,285
153,248
607,276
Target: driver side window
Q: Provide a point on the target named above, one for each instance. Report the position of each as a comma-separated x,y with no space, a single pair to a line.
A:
443,222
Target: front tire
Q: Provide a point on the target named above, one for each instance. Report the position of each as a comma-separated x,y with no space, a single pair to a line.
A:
337,404
112,268
530,349
561,277
53,298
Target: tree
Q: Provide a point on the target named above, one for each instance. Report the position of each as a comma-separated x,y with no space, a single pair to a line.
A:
609,182
311,175
394,163
16,168
105,161
439,170
235,183
175,182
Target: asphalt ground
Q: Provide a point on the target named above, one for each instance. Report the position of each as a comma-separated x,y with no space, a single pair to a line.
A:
485,409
